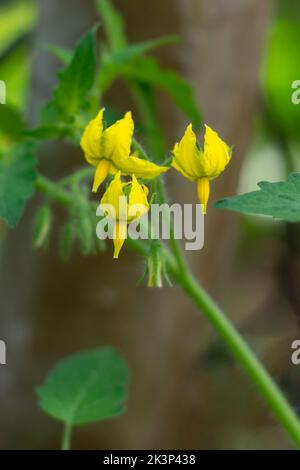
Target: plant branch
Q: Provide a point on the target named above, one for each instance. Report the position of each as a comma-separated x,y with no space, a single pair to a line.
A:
180,272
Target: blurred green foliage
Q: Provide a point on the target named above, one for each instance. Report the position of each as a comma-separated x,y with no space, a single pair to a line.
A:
275,147
281,69
18,19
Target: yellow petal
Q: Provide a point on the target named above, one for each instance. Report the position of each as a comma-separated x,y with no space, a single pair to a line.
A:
120,233
138,203
91,139
116,145
141,168
114,196
116,140
101,173
187,155
203,193
216,155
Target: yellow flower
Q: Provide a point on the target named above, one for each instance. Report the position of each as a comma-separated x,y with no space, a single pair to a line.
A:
122,209
109,150
198,165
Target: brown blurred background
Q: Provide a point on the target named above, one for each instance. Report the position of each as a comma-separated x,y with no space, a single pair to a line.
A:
185,390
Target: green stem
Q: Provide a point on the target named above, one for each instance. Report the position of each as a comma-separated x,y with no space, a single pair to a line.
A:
79,175
66,437
256,371
54,191
137,146
163,198
174,243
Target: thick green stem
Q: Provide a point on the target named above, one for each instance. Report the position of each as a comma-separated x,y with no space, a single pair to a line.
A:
54,191
66,437
256,371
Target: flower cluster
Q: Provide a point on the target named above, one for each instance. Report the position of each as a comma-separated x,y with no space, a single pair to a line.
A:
109,150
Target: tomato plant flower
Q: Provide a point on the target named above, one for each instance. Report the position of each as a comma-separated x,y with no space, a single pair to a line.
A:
124,202
109,150
199,165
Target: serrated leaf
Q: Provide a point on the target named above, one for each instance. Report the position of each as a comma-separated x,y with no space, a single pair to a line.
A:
86,387
77,78
17,182
279,200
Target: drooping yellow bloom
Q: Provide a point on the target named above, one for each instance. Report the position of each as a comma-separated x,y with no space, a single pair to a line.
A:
198,165
123,208
109,150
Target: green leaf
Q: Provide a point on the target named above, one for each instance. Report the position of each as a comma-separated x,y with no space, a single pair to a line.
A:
17,182
51,124
113,24
132,51
86,387
77,78
12,124
128,61
279,200
147,70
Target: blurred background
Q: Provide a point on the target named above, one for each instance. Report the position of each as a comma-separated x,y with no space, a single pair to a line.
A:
241,56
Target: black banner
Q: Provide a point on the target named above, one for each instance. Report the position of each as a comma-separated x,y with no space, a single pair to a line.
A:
133,459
